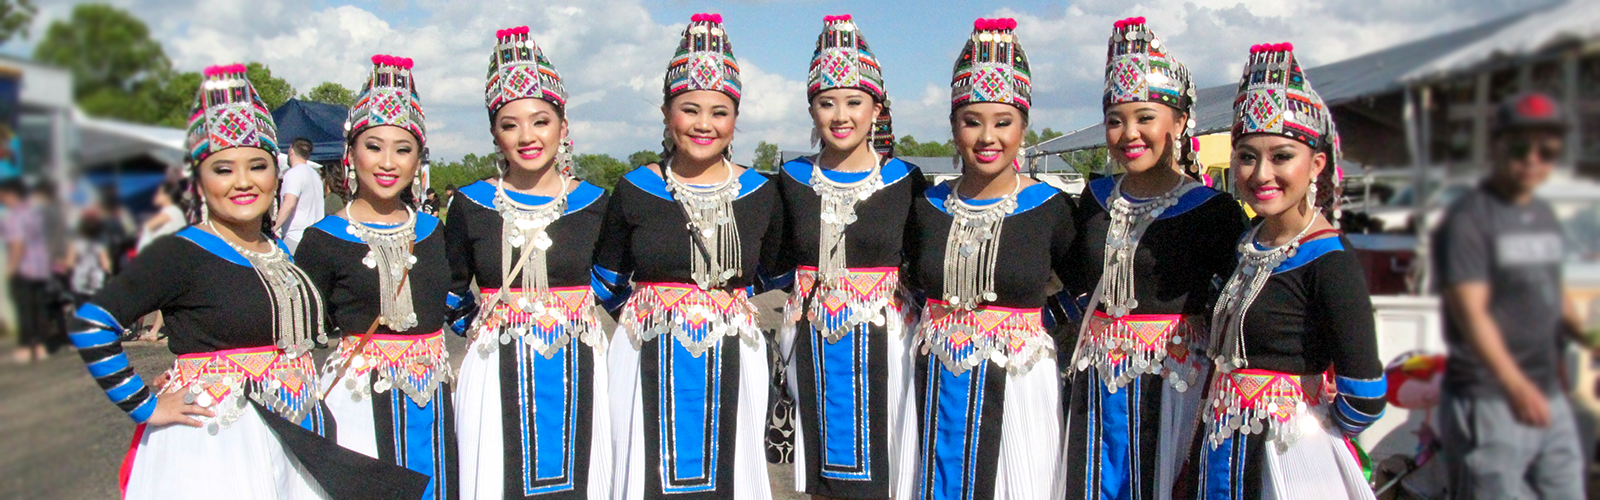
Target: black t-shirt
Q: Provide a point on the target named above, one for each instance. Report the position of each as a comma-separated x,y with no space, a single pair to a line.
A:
1517,250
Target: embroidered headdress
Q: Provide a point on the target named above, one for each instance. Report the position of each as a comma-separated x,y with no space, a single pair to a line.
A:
1139,69
992,67
1275,98
228,113
843,61
519,70
704,61
388,98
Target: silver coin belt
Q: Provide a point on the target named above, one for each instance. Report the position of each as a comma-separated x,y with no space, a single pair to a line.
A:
414,364
226,382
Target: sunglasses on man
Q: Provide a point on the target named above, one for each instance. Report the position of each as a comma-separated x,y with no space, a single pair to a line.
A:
1521,148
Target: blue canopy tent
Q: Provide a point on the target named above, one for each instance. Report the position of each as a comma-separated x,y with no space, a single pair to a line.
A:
322,124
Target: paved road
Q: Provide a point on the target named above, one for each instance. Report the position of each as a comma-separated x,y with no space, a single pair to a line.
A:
61,439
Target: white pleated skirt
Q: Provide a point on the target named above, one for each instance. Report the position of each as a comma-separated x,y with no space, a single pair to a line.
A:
750,481
243,461
1319,466
901,398
480,432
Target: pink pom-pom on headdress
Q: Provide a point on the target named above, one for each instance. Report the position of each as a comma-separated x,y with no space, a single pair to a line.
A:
716,18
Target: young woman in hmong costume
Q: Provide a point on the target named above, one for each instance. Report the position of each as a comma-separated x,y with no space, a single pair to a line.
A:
380,267
1153,241
688,365
845,332
988,393
1297,371
532,411
241,318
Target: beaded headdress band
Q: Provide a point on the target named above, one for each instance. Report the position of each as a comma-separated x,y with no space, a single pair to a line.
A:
388,98
1139,69
519,70
843,61
992,67
704,61
228,113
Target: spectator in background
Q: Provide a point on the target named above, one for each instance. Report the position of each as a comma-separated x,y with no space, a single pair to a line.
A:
430,204
89,257
29,268
169,216
1506,426
58,293
300,202
332,192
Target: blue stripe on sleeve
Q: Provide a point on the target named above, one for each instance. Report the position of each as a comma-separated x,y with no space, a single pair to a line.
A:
99,316
144,411
89,339
1362,388
108,365
1354,415
126,389
451,300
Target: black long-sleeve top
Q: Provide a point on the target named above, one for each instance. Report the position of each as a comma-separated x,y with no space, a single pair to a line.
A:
331,256
1034,241
645,234
1313,314
1179,258
875,239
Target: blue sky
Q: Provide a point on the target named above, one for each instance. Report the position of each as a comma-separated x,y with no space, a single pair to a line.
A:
612,53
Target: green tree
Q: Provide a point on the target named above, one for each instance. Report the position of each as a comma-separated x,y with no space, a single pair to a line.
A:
642,158
15,16
116,67
275,91
1034,138
1086,161
469,169
330,93
600,169
766,157
173,102
908,146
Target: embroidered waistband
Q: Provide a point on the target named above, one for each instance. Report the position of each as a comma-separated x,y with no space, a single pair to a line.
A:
227,381
840,305
1254,401
416,364
545,322
696,318
1012,338
1122,349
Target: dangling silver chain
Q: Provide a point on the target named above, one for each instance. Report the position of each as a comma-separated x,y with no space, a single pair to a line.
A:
838,212
297,325
972,246
1129,221
714,231
526,227
389,251
1255,268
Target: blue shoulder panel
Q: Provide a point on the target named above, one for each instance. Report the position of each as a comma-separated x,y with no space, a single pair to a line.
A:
1101,189
1310,251
211,243
653,183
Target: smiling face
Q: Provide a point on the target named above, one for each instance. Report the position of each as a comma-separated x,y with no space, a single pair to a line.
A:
238,184
529,133
701,124
386,159
988,135
844,117
1140,134
1273,173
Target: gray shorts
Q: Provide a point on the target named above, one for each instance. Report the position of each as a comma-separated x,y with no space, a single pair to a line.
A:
1491,455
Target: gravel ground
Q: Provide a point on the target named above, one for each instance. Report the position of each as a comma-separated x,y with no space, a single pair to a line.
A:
61,439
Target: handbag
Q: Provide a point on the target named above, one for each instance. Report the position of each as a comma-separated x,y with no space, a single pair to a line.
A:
781,411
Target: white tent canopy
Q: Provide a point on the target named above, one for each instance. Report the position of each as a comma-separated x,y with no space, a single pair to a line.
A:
105,141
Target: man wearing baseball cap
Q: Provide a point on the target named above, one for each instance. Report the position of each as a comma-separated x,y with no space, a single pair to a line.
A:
1506,427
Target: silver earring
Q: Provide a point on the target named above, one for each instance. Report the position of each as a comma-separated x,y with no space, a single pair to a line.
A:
205,210
666,141
727,152
350,178
565,157
816,137
1311,196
